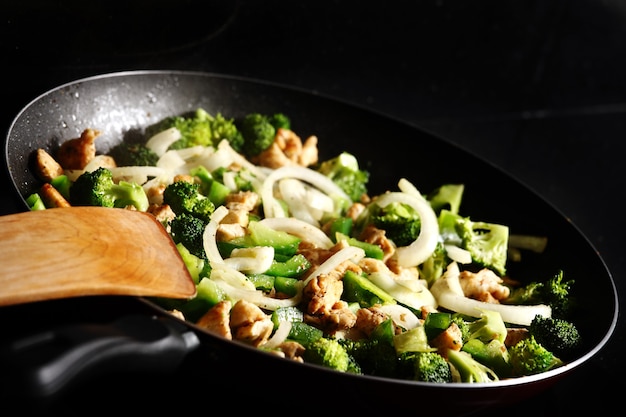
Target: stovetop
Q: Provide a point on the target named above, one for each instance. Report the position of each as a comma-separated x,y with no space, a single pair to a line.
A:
536,88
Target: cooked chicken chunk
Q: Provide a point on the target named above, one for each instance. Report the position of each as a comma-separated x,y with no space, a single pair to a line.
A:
78,152
46,167
483,285
217,319
52,197
288,149
250,324
449,339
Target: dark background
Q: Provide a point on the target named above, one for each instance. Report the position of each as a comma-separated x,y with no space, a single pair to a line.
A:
535,87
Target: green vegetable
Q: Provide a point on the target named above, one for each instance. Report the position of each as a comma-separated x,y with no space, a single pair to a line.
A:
282,242
558,335
185,197
493,354
187,230
555,292
345,172
489,326
486,242
293,266
371,250
96,188
400,222
35,202
197,266
62,183
529,357
447,196
331,354
209,186
375,355
357,288
258,133
469,369
200,128
132,153
425,367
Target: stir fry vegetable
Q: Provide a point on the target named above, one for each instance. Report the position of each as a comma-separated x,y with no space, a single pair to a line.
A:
290,254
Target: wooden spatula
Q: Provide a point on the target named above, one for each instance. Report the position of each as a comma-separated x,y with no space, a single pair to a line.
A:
76,251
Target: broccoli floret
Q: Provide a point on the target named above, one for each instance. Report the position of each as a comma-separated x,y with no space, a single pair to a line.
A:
529,357
200,128
487,243
280,121
345,172
469,369
447,197
555,292
222,128
258,133
400,222
559,336
331,354
374,356
187,230
432,268
129,153
96,188
424,366
463,325
185,197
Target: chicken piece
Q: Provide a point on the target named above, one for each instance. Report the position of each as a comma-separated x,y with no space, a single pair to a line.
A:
237,214
163,213
46,167
449,339
292,350
325,308
483,285
217,319
377,237
246,200
239,205
155,193
52,197
184,177
230,231
78,152
514,335
367,319
309,154
249,324
355,210
317,256
287,149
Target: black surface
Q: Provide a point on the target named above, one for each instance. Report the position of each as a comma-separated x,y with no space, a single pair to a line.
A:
535,87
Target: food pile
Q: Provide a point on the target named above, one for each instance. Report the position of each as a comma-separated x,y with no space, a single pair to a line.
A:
290,254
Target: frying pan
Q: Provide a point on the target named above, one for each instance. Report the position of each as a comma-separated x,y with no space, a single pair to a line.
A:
120,105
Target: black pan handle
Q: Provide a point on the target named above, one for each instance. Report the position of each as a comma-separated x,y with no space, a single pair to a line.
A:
46,363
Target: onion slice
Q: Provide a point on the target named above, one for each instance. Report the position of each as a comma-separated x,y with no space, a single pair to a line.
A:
423,247
210,233
272,208
449,294
349,253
